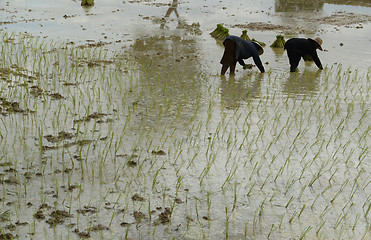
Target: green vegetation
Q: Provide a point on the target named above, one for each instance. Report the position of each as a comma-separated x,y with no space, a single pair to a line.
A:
220,32
95,145
87,3
279,42
260,43
245,36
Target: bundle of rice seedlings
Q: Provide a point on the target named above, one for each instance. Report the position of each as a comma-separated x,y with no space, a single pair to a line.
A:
245,36
279,43
220,32
87,3
261,43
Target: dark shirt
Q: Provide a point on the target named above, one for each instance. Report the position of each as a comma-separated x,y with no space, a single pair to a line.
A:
302,48
244,50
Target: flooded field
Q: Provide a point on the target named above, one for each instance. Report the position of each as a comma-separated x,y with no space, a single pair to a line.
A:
115,122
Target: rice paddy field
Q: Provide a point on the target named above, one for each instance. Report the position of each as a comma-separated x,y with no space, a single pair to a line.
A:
115,122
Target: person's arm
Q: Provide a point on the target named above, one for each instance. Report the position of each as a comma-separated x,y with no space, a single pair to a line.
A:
316,60
258,62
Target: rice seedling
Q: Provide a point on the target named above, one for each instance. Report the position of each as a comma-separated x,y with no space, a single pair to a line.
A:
168,136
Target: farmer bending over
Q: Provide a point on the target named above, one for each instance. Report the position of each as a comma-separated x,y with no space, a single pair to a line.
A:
237,49
303,48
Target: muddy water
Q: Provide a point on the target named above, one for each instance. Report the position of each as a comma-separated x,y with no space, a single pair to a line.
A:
140,138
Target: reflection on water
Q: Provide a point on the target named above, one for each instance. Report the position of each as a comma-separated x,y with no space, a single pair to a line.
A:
297,5
302,84
173,8
234,92
304,5
193,28
170,80
365,3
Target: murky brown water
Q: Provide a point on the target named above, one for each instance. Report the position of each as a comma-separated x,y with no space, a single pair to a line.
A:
115,123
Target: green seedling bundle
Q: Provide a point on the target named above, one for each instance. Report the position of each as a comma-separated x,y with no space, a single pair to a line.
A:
220,32
279,42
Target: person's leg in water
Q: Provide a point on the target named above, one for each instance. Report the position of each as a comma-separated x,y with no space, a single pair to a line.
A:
228,59
294,59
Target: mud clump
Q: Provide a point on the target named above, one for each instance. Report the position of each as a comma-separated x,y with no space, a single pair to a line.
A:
159,152
58,217
10,107
87,210
81,234
94,115
164,217
7,236
138,198
97,228
139,216
61,136
12,180
40,212
79,143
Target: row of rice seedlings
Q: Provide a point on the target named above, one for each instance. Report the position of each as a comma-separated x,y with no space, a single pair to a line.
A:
263,150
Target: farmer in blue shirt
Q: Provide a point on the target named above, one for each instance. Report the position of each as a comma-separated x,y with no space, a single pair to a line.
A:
237,49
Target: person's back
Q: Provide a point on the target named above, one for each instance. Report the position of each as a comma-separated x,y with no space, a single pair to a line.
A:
298,48
237,49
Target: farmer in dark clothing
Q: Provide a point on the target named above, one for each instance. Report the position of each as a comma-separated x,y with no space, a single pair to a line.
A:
303,48
237,49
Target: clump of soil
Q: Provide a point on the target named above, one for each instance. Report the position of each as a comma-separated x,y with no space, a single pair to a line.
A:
139,216
10,107
138,198
82,234
11,180
40,214
97,228
7,236
261,26
58,217
159,152
94,115
87,210
61,136
68,145
132,163
164,216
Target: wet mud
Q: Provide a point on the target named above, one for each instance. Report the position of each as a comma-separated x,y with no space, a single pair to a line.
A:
116,125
